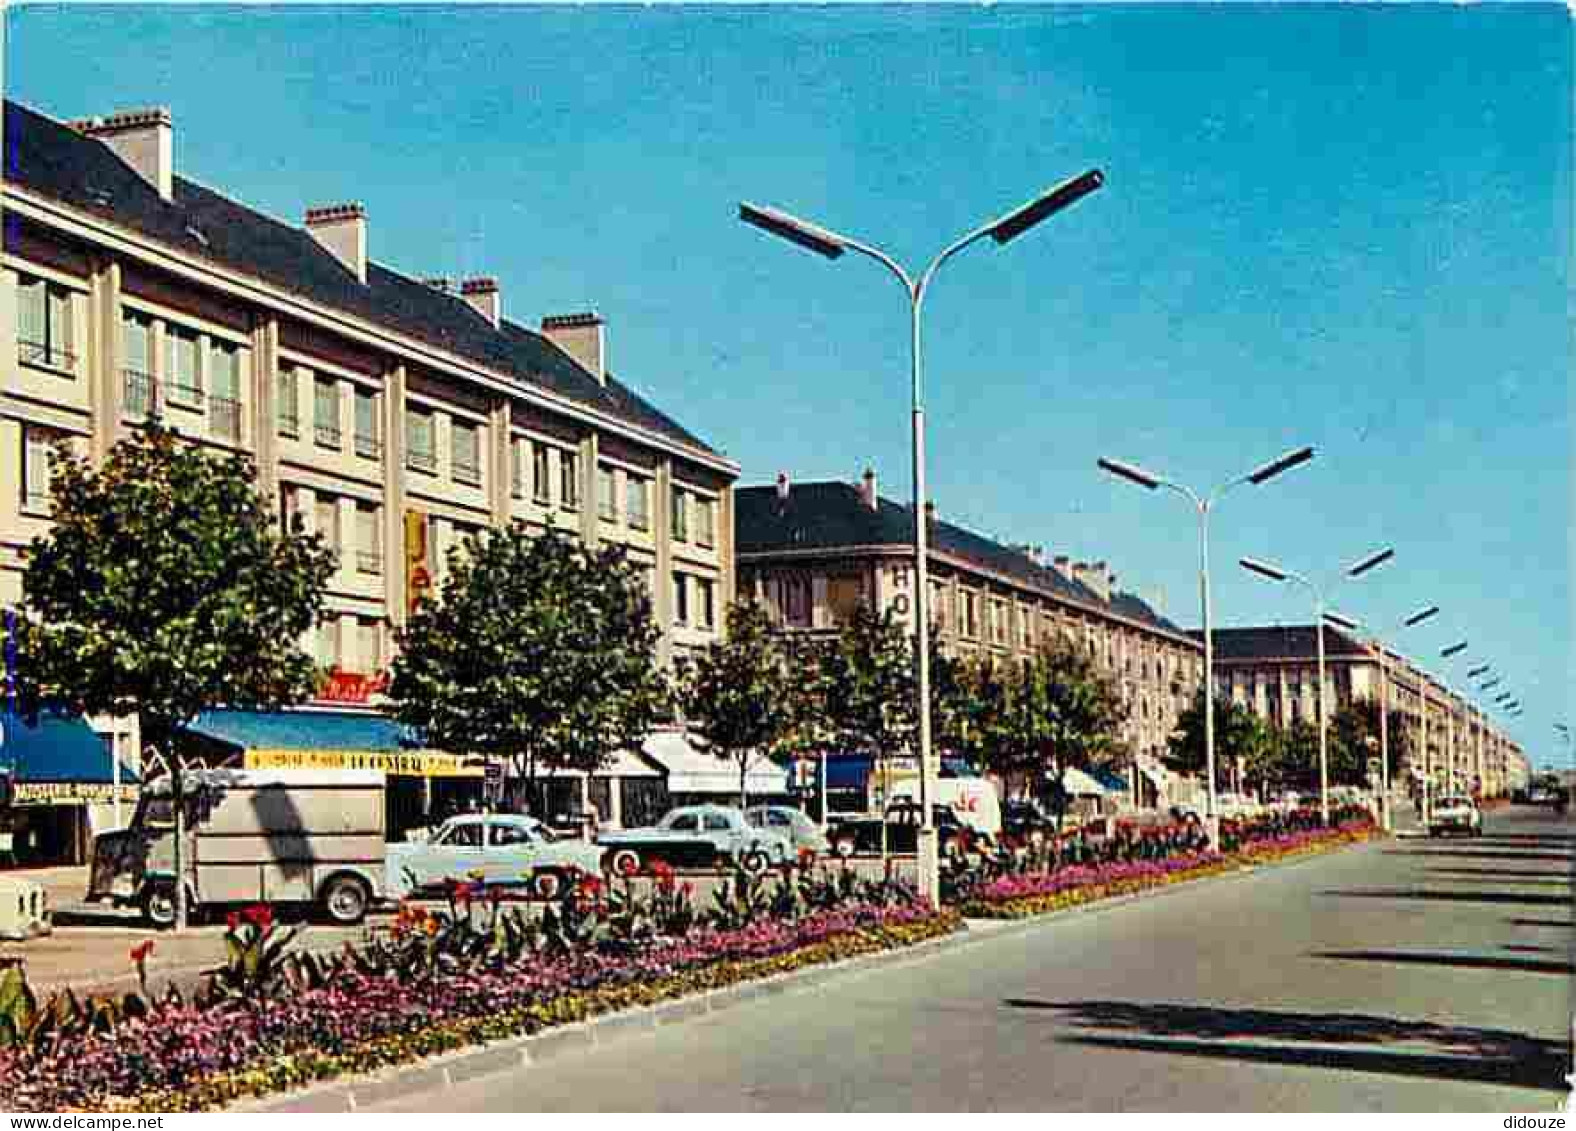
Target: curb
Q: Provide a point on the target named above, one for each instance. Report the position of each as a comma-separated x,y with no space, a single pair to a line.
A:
447,1070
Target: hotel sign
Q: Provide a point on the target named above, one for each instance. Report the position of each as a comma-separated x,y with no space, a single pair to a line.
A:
413,763
352,687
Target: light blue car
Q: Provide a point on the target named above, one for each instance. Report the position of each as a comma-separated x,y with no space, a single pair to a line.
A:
697,836
502,849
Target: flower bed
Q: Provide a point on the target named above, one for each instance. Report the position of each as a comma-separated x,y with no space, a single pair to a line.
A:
1039,893
188,1058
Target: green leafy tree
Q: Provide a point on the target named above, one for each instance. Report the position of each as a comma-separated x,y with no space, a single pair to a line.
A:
1300,754
740,694
867,687
1354,739
165,588
539,652
1237,735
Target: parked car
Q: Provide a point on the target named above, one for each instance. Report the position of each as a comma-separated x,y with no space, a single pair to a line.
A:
862,833
1455,814
696,836
802,832
506,849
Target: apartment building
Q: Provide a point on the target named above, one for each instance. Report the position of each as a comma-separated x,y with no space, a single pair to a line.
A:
393,414
813,552
1273,671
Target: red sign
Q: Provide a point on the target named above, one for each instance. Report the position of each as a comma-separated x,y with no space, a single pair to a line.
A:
352,687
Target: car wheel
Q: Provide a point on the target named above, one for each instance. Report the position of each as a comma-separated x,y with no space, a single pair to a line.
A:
345,900
755,862
547,885
158,905
624,862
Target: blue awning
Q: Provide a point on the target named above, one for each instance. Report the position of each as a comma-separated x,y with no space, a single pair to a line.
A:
57,749
1109,779
847,771
304,730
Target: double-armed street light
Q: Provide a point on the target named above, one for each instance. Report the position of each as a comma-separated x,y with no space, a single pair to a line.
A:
1417,618
1203,505
832,245
1276,573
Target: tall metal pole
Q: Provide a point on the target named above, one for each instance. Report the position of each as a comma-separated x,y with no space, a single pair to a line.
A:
926,848
1384,740
1324,758
1212,812
1428,754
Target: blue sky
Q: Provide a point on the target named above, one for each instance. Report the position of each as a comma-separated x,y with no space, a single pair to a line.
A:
1342,226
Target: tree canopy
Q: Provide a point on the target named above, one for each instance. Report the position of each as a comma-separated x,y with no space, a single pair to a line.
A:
538,650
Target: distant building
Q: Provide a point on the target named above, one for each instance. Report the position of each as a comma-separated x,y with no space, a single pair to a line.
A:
813,552
1273,671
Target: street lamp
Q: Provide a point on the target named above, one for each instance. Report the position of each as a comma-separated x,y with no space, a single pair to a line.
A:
1417,618
1262,474
1276,573
1452,650
832,245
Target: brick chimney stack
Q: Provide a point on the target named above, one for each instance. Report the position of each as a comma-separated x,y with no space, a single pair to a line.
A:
867,490
341,229
143,139
483,296
581,337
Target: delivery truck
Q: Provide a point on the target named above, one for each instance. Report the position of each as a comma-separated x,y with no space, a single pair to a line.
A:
305,837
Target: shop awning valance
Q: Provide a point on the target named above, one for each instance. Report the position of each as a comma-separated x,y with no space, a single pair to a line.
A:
329,740
59,760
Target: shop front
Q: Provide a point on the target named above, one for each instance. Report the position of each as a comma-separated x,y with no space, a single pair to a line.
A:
62,787
423,786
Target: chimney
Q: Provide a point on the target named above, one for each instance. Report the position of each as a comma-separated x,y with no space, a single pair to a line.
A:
341,229
1157,600
439,283
482,293
1062,564
580,336
782,486
867,491
143,139
1094,576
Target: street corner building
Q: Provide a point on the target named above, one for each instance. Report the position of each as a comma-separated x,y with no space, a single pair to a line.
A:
812,553
394,414
1272,670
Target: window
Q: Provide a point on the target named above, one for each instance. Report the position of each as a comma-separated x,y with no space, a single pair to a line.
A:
685,823
971,615
715,823
796,600
421,446
517,468
182,381
680,600
637,495
569,481
465,452
680,516
224,407
703,513
369,442
287,409
325,412
37,445
506,836
541,479
369,556
43,329
328,643
369,645
327,513
708,612
606,495
140,387
468,835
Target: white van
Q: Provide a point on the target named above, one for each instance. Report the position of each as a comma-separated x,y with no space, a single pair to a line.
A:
973,800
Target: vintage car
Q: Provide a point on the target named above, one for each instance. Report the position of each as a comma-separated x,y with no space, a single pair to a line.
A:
1455,815
504,849
803,833
696,836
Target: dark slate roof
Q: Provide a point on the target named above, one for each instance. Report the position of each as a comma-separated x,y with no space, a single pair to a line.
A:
50,158
832,515
1279,642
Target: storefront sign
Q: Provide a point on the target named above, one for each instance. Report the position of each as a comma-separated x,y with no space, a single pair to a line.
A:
415,763
70,793
352,687
418,579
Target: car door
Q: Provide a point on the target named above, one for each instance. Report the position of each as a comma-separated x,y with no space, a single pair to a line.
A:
719,837
457,851
512,851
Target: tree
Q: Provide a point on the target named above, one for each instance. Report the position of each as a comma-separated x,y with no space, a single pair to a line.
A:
539,651
1238,734
867,686
739,694
1354,738
165,589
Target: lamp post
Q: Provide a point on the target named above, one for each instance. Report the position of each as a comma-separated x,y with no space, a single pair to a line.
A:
1385,819
1262,474
832,245
1450,715
1276,573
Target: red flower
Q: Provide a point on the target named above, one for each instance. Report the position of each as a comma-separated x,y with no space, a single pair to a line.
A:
494,895
260,915
806,857
233,920
140,952
686,889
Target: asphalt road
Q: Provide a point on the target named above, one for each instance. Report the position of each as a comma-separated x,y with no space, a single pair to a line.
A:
1413,975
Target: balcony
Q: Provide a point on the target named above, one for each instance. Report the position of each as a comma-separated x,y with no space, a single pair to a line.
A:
418,460
45,354
224,417
468,472
369,561
139,395
288,424
327,436
368,447
183,393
